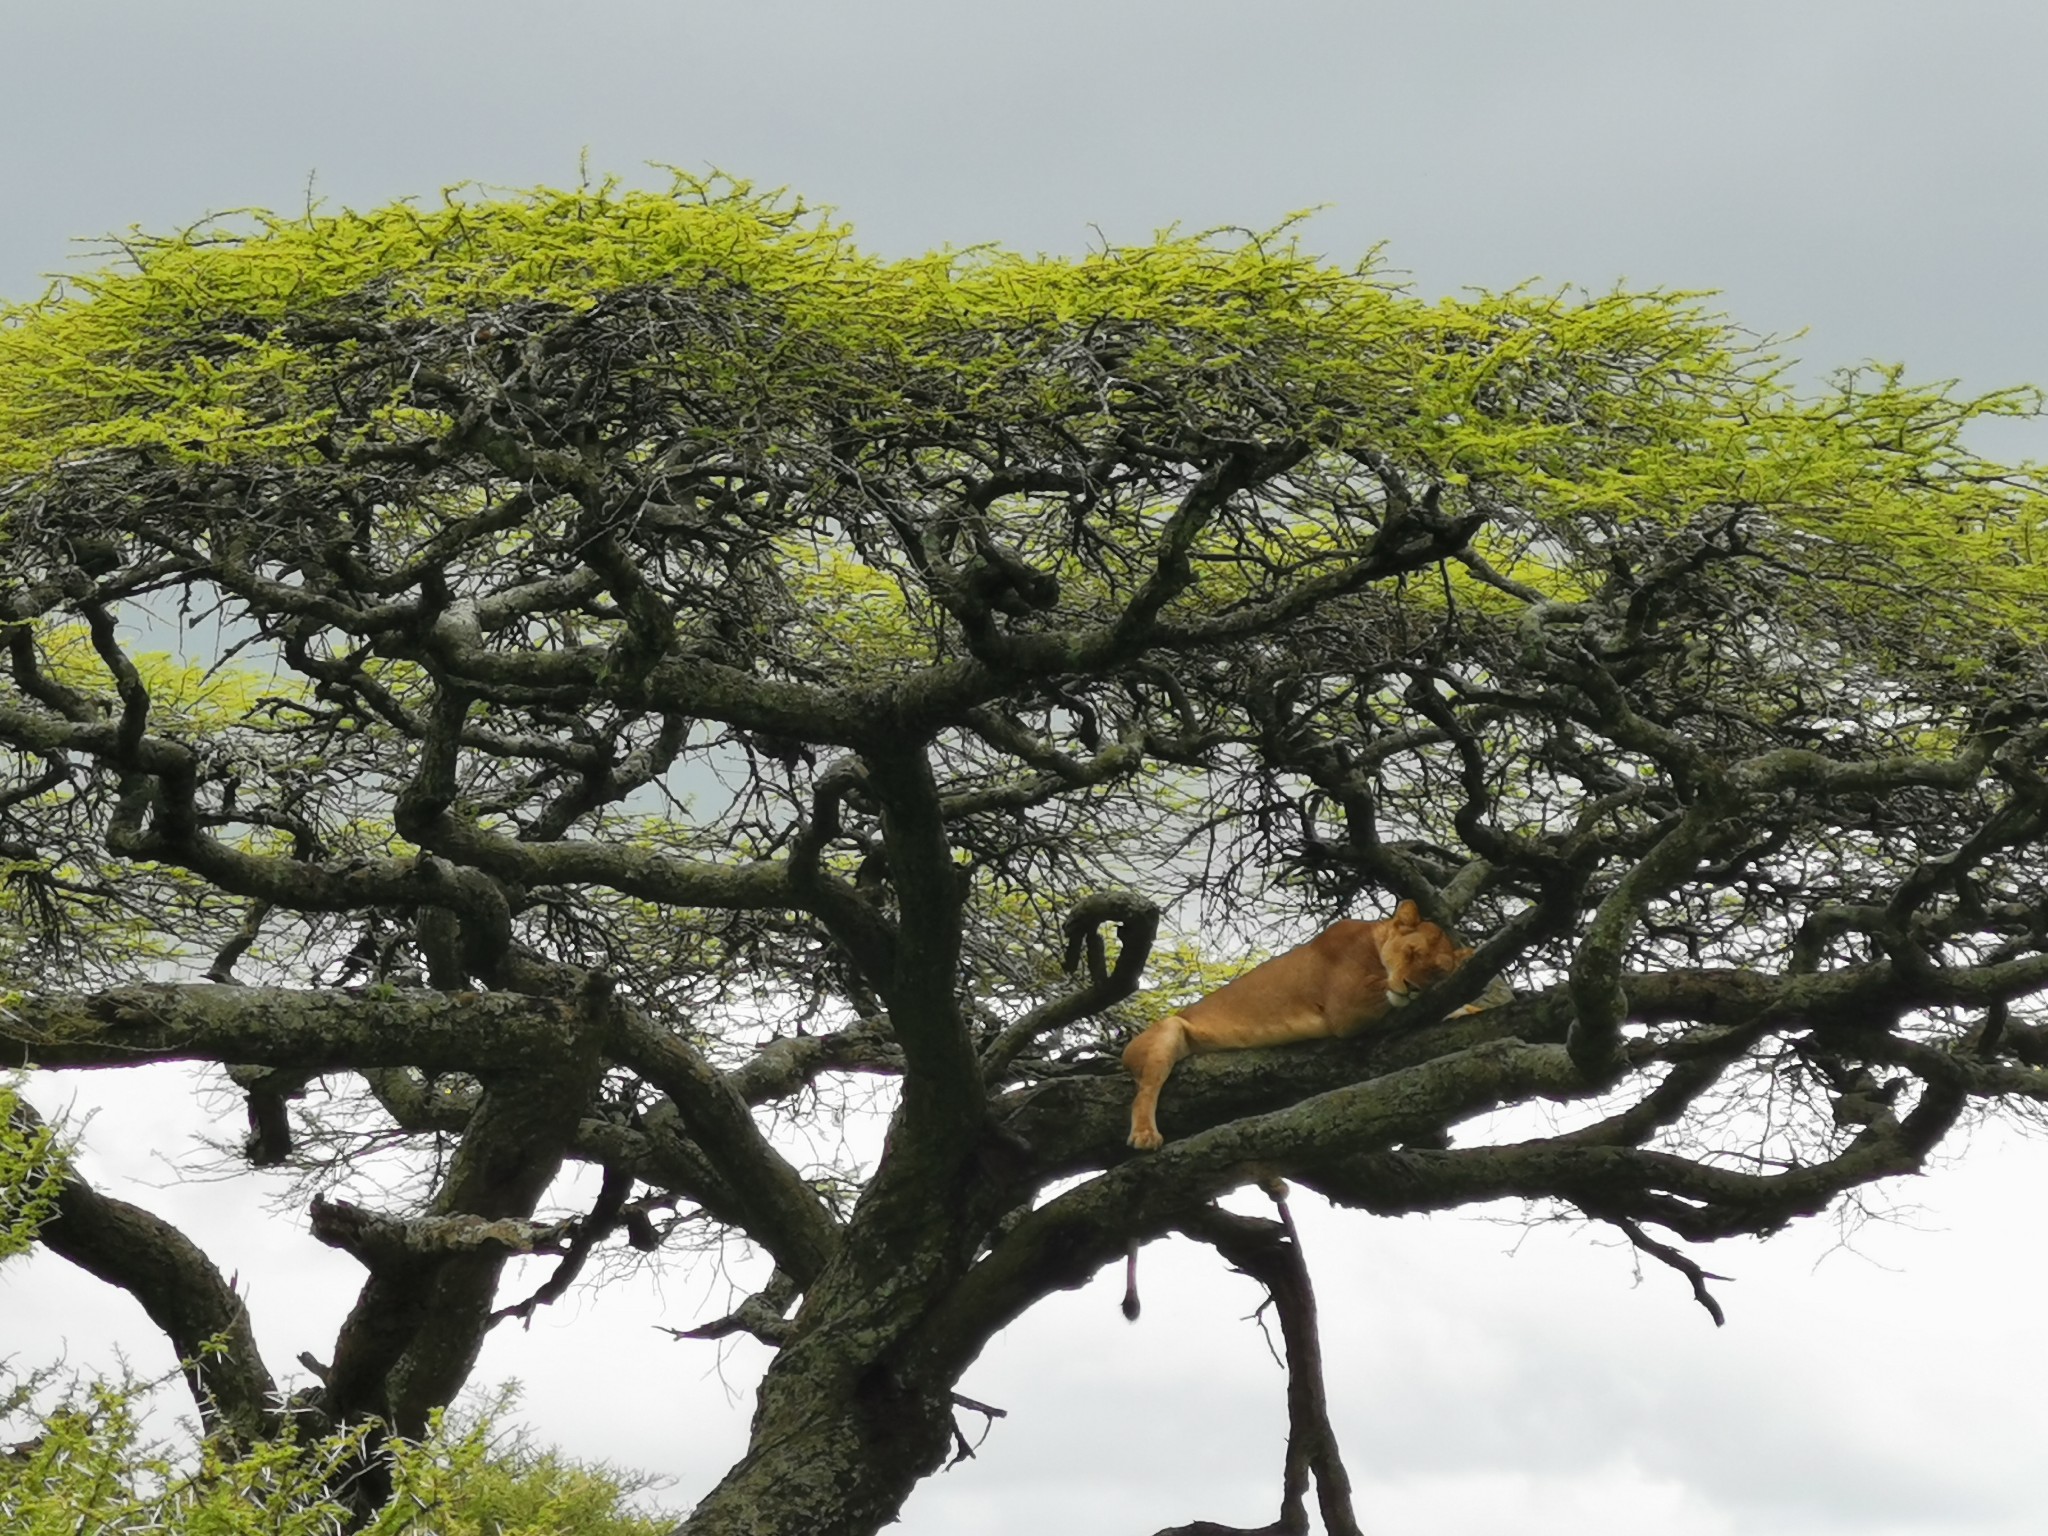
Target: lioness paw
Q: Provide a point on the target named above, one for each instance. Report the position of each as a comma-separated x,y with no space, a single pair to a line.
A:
1146,1138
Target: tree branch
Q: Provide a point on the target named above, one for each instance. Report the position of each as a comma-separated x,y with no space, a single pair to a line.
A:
781,1211
181,1290
1137,923
283,1027
1270,1253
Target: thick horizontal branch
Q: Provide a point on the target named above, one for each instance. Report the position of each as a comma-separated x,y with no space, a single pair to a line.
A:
684,683
1696,1200
648,873
378,1239
286,1027
785,1066
1812,773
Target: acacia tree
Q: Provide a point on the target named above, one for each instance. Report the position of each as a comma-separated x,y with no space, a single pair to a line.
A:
579,680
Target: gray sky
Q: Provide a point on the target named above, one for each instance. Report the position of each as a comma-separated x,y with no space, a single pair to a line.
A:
1870,172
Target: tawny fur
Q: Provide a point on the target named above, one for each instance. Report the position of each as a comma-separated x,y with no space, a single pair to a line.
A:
1337,983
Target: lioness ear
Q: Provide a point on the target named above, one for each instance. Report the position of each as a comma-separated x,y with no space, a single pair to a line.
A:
1407,915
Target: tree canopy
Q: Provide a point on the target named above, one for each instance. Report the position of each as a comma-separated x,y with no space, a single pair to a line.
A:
595,678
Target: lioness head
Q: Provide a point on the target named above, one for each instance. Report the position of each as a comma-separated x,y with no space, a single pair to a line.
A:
1416,953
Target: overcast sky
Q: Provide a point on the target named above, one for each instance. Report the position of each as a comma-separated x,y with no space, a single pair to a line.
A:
1870,173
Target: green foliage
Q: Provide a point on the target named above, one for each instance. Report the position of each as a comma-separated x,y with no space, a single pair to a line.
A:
32,1167
88,1471
471,1481
1569,414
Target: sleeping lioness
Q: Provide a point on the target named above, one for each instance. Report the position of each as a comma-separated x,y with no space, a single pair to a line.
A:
1337,983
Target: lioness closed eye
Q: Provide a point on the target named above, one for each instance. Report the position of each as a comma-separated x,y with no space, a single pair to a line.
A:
1337,983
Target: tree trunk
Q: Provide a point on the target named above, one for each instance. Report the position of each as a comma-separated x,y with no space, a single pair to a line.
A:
835,1460
857,1408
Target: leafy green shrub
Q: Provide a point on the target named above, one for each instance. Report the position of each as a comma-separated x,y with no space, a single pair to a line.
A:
88,1471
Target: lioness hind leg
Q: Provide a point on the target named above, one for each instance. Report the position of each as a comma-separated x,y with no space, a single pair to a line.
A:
1149,1059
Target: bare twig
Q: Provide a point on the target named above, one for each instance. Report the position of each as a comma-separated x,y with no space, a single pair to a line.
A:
1664,1253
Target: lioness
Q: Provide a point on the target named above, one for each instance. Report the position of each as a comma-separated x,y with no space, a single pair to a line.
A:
1335,984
